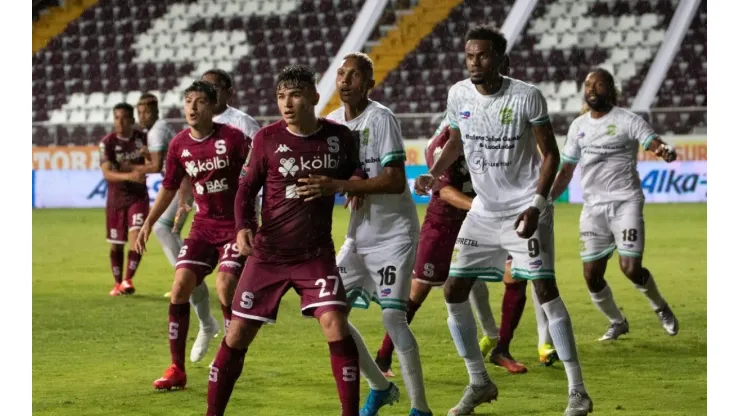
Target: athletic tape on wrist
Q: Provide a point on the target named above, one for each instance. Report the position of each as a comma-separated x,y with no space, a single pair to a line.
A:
539,202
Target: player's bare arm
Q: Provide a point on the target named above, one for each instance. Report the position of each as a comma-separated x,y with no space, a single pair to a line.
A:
662,149
154,162
111,175
562,180
454,197
391,181
163,200
452,150
245,202
184,197
526,223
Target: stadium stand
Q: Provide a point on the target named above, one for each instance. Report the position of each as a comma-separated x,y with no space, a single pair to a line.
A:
112,52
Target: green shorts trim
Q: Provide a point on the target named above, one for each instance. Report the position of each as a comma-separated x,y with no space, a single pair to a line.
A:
593,257
519,273
627,253
484,273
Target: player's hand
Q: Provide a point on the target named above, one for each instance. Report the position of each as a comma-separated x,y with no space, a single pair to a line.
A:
423,184
667,152
526,223
180,216
142,238
317,186
354,201
245,241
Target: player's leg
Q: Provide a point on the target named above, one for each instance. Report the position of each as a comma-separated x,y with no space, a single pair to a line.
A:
256,301
628,226
391,267
135,215
480,302
323,296
512,308
534,259
597,246
545,348
115,230
476,254
170,240
359,286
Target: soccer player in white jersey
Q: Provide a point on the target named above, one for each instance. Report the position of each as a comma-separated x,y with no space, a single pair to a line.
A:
605,140
499,123
380,247
223,114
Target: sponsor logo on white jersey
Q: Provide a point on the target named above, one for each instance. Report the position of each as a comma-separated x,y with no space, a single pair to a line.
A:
186,153
282,148
194,167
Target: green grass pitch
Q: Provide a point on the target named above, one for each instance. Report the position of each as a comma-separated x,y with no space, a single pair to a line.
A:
97,355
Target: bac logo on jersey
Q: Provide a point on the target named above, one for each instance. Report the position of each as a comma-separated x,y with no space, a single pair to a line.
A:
288,166
218,185
290,192
220,147
465,115
186,153
282,148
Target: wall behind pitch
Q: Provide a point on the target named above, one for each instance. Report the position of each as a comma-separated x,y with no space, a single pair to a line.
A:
77,188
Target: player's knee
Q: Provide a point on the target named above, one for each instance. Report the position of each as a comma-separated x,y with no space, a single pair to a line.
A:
395,323
241,332
225,286
545,290
632,268
334,325
132,236
457,290
116,248
182,286
161,231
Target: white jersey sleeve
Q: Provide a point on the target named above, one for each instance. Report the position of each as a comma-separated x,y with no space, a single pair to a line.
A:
536,106
158,137
250,126
641,131
452,110
572,149
390,140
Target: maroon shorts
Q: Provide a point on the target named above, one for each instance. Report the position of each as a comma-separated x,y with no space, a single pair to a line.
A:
118,222
264,283
201,257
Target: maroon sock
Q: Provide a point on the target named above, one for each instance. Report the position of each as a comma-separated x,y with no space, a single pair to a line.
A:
178,332
226,311
116,264
515,297
345,364
386,348
226,369
133,262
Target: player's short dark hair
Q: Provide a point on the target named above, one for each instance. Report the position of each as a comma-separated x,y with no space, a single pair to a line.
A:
125,107
205,87
610,85
363,62
484,32
296,76
223,77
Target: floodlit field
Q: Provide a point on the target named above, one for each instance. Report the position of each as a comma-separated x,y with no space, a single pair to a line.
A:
97,355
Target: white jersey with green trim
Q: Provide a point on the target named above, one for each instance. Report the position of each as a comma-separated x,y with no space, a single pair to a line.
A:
384,218
606,148
158,136
238,119
500,147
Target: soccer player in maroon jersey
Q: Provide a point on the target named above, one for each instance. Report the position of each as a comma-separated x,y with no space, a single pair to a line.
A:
212,155
293,247
127,202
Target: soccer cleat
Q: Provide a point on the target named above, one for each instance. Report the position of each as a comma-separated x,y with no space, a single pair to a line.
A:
127,287
203,340
384,364
508,362
377,399
579,404
487,345
417,412
548,355
669,320
473,396
116,291
173,378
615,331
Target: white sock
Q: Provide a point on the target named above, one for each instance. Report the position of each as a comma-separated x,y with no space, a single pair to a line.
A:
407,351
650,290
565,343
479,301
171,242
202,305
368,368
462,328
604,300
543,330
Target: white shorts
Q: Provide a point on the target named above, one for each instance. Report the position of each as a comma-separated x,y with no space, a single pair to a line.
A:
383,275
168,217
616,225
484,243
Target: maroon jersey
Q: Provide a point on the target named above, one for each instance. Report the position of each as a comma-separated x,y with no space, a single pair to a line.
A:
213,164
121,151
456,176
292,229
